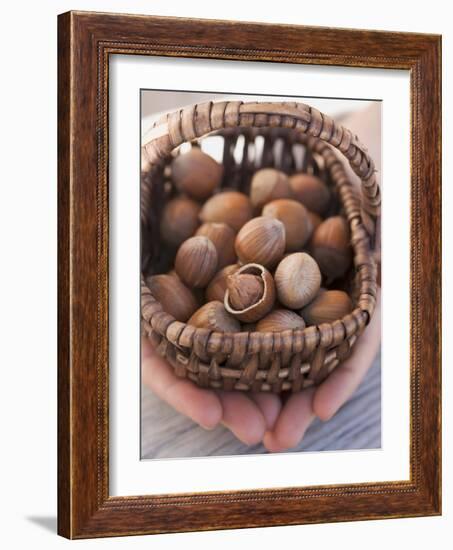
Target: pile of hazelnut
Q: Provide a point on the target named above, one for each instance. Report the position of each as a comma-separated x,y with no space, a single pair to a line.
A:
263,262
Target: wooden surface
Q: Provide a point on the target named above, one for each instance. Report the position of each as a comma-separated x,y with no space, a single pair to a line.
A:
165,433
85,506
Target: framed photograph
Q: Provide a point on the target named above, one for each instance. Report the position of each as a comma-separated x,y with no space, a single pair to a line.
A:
249,275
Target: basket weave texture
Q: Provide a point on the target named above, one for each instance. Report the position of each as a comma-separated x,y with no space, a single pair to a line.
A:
253,361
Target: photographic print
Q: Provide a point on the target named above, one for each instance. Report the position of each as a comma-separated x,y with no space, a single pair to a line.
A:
260,268
223,240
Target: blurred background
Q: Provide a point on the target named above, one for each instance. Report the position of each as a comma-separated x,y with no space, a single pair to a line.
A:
165,433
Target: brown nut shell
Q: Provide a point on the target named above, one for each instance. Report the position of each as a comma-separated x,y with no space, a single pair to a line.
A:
196,261
315,219
214,316
280,320
268,184
294,216
297,279
215,291
261,241
222,236
262,305
230,207
196,173
172,273
175,298
327,307
311,191
330,246
244,290
179,220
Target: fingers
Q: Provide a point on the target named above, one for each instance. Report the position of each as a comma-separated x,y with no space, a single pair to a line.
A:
202,406
270,406
147,348
343,381
295,417
242,417
245,418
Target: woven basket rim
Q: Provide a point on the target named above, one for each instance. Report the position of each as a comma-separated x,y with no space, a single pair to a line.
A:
160,321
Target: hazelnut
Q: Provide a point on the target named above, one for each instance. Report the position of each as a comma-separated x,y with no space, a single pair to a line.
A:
294,217
279,320
297,279
196,173
214,316
311,191
331,248
215,291
268,184
250,293
261,241
179,220
327,307
222,237
314,218
196,261
230,207
244,289
172,273
175,298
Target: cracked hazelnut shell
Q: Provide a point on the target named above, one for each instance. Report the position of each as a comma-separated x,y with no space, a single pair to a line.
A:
249,304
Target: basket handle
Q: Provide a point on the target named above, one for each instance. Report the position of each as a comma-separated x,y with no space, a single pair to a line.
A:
198,120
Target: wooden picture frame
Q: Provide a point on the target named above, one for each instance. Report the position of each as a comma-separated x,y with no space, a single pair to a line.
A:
85,42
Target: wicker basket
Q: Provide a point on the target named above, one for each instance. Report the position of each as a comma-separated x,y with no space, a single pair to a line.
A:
261,135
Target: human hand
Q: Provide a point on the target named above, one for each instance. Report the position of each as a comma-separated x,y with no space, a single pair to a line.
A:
324,401
247,416
257,417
